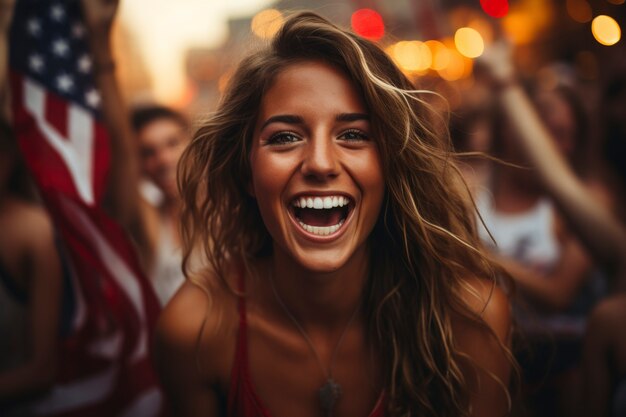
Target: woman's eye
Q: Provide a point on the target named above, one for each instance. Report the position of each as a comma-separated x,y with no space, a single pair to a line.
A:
354,135
282,138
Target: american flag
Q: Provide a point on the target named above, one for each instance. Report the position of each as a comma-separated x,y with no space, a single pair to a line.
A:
104,364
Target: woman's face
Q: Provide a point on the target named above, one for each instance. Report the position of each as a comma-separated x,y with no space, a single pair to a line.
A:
162,143
316,171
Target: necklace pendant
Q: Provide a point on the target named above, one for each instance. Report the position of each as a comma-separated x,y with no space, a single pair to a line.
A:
329,394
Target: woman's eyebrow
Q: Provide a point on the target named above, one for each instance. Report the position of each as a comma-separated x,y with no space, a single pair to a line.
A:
298,120
284,118
352,117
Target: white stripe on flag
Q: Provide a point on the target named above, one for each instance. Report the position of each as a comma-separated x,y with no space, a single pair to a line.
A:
76,150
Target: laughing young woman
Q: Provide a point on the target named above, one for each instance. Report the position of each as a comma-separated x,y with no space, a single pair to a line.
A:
346,275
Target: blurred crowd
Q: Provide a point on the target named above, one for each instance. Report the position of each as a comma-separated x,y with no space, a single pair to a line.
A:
526,154
546,172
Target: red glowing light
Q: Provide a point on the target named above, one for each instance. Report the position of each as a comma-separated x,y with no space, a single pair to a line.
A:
368,23
495,8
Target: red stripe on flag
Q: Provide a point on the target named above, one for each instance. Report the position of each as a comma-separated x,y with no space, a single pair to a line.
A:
56,113
101,161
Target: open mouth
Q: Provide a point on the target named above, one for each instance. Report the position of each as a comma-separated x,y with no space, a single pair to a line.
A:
321,216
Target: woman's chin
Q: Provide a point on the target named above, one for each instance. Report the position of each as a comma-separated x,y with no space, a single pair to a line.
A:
321,261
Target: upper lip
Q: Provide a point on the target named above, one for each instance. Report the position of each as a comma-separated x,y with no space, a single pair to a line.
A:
320,194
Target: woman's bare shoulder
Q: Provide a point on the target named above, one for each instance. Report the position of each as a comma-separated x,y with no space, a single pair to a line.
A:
486,300
195,320
194,344
183,316
194,308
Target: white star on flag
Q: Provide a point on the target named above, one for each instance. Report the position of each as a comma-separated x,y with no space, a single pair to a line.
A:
35,62
92,97
33,26
57,13
84,64
60,48
65,83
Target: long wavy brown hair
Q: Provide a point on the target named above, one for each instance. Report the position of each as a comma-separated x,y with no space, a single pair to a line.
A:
424,242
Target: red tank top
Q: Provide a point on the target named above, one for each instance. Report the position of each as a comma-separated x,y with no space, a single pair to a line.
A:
242,399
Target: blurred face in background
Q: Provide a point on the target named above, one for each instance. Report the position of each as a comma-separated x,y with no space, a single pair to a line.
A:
161,144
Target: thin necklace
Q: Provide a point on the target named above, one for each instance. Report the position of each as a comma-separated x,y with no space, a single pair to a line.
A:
330,392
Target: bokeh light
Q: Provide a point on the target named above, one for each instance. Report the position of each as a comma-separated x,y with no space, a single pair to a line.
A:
495,8
411,56
579,10
368,23
484,27
606,30
455,70
440,54
266,23
469,42
519,28
527,19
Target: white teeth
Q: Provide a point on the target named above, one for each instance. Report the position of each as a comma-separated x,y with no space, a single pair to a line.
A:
321,230
321,202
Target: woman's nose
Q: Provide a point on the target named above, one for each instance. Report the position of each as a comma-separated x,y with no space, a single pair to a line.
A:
320,159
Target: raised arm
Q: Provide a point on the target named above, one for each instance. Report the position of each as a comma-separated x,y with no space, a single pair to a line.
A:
123,198
599,231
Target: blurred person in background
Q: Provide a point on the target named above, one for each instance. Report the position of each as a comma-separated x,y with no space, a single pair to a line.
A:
605,341
554,276
33,310
583,207
31,285
161,134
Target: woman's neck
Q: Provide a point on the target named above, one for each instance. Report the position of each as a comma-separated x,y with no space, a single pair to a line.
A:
319,298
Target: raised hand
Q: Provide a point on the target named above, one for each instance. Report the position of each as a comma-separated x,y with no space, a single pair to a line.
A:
99,16
6,14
